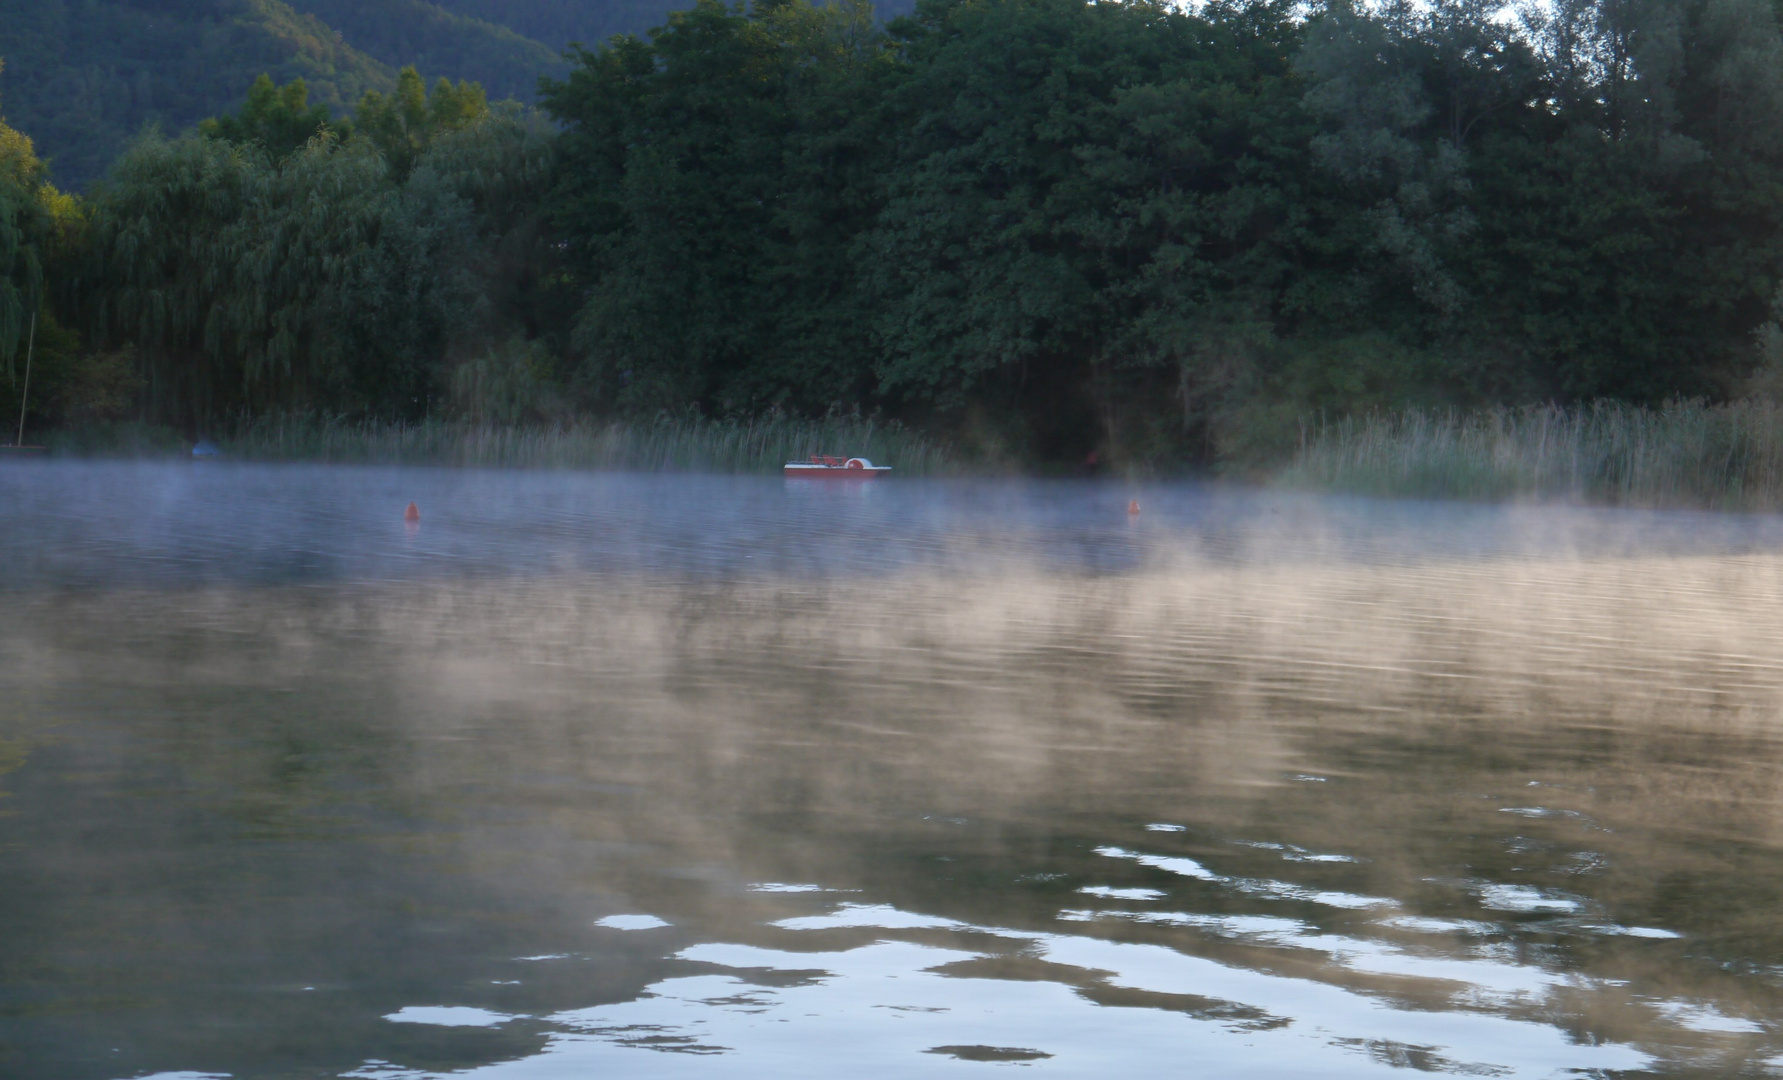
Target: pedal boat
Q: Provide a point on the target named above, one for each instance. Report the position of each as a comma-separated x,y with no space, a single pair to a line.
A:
824,467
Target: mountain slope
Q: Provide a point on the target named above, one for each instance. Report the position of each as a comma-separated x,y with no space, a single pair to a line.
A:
440,42
83,77
558,22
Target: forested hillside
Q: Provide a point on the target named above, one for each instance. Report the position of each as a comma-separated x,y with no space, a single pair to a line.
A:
86,76
433,38
1048,228
83,77
557,23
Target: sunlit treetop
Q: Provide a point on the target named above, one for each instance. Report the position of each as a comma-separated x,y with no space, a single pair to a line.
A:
278,118
405,122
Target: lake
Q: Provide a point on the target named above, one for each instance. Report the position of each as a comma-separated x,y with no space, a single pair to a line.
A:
682,776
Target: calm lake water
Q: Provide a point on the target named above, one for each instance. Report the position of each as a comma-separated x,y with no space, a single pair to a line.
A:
666,776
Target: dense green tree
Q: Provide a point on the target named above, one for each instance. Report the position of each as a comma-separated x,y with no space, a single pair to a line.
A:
39,228
25,222
403,123
1059,227
1132,226
259,284
509,318
1085,211
278,119
1568,204
711,181
321,278
1629,226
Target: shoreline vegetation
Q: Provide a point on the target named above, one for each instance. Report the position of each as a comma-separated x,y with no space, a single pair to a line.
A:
1683,455
666,444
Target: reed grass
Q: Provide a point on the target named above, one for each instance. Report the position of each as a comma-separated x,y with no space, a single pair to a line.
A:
668,444
1685,454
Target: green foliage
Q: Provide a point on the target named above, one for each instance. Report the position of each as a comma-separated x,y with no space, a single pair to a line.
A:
230,268
1128,229
85,77
25,224
508,384
1051,228
506,271
40,228
437,37
1681,454
278,119
712,179
558,23
250,282
405,122
324,277
1089,205
69,386
685,443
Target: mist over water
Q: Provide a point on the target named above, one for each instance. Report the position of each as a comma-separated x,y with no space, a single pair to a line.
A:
693,776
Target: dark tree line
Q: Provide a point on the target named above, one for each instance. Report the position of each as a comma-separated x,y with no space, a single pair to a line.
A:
1050,226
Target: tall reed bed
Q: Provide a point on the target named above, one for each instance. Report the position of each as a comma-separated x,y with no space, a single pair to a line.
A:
1686,454
685,444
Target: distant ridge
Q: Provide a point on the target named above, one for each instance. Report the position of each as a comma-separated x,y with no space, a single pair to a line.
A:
84,77
440,42
556,23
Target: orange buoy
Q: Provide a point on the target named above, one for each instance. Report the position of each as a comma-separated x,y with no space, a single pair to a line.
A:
413,513
1132,506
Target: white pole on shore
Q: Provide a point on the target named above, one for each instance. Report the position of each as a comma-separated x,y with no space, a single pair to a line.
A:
32,344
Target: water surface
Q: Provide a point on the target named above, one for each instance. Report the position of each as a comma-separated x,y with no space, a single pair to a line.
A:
687,776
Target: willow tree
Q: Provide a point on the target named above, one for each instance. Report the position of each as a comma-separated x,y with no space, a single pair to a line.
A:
712,181
40,229
25,226
254,284
323,279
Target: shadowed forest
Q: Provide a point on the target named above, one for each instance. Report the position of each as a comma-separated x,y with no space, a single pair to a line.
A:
1047,231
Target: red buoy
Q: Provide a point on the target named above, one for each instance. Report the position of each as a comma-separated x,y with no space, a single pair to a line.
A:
413,513
1132,506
